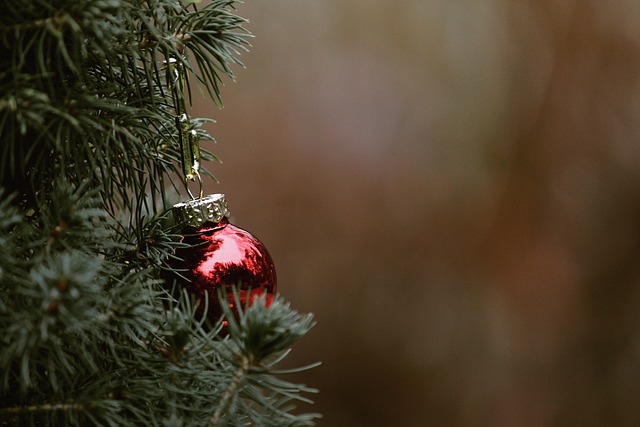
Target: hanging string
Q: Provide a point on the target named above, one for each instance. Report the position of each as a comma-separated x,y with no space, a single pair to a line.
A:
189,140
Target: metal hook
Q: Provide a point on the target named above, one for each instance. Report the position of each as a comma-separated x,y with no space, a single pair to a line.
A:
201,192
189,141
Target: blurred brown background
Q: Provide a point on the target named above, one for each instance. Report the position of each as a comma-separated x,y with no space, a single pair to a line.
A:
453,188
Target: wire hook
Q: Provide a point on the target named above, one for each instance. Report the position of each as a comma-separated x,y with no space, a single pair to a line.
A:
188,138
201,188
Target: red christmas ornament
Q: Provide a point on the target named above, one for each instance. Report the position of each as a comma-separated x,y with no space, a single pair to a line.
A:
220,255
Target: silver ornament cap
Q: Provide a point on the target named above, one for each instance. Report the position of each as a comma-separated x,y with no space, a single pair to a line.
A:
194,213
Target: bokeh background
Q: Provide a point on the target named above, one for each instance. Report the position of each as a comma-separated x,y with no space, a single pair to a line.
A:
453,188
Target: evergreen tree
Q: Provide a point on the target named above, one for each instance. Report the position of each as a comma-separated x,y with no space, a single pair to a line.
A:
89,157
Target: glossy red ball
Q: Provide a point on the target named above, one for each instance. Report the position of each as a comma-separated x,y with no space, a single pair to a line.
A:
221,255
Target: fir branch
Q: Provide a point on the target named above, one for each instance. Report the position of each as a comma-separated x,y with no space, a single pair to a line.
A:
103,95
231,390
259,338
45,407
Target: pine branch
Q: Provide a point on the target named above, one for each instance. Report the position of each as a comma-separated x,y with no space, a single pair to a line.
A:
231,391
16,410
75,89
259,339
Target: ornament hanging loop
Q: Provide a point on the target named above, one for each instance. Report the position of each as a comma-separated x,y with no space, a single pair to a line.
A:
200,190
188,138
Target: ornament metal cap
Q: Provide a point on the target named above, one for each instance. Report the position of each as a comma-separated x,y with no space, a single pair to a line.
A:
194,213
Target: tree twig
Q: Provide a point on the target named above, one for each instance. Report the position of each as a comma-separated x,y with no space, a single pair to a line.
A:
236,381
14,410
